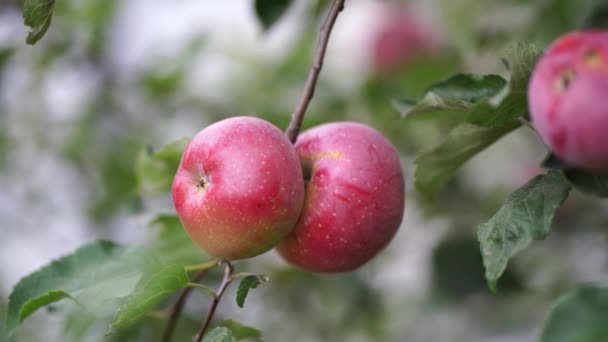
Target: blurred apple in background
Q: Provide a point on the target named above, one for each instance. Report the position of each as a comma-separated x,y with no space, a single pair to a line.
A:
402,35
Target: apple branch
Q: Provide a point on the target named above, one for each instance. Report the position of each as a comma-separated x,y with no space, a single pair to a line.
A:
228,272
179,306
311,82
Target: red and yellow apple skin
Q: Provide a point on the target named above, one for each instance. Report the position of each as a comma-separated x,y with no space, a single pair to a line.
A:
567,99
239,188
354,198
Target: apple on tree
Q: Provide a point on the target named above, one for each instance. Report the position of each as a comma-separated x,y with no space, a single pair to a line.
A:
567,99
239,188
354,198
400,38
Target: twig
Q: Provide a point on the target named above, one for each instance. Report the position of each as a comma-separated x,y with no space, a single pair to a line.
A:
228,272
309,89
178,307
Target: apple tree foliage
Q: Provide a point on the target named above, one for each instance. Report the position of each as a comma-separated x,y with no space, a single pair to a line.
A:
123,285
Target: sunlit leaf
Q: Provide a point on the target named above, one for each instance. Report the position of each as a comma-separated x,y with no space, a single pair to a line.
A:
526,216
93,274
149,293
579,316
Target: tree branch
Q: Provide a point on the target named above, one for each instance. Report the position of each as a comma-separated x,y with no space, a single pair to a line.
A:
228,272
178,307
311,82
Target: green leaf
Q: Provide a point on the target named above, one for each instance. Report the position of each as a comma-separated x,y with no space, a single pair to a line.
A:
435,168
37,15
270,11
585,181
248,283
241,331
458,92
579,316
513,102
598,16
93,275
589,182
155,170
526,215
173,245
149,293
219,334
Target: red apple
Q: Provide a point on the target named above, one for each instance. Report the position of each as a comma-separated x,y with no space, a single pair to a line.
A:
354,198
401,37
567,99
239,187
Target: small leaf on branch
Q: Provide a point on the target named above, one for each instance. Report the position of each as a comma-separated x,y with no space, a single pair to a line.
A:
526,215
578,316
435,168
248,283
149,293
270,11
37,15
155,169
219,334
241,331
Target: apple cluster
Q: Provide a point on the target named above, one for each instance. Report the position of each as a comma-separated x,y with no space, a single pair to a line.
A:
567,99
329,203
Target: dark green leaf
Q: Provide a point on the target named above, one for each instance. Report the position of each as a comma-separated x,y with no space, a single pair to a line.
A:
149,293
248,283
589,182
270,11
241,331
456,93
579,316
598,17
37,15
435,168
592,183
219,334
513,102
93,275
155,170
173,245
525,216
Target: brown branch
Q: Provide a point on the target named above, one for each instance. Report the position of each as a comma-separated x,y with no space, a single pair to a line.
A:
178,307
311,82
228,272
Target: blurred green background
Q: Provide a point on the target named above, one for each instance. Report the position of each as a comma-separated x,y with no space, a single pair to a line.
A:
114,79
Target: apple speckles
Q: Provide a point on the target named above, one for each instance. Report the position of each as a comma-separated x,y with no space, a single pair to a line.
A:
256,194
347,196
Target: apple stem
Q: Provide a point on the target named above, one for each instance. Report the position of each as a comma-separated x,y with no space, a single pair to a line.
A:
311,82
228,272
179,306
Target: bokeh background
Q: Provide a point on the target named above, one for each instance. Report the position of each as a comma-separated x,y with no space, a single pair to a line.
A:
113,78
